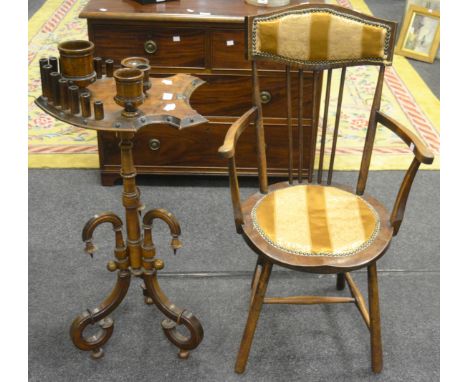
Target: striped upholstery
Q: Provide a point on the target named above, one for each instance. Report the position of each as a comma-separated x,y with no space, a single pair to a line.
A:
317,35
313,220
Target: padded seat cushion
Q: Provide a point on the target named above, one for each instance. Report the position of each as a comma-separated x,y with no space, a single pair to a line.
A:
313,220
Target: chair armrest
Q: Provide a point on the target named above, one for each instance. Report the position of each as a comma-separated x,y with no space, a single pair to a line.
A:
422,155
420,150
228,149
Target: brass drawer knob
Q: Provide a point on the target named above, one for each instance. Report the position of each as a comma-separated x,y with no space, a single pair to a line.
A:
154,144
150,47
265,97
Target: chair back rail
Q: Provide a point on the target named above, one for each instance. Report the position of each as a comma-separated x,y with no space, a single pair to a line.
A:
337,125
261,154
300,123
324,126
290,130
370,135
317,83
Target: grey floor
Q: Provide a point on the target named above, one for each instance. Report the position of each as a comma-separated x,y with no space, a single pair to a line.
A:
326,343
292,343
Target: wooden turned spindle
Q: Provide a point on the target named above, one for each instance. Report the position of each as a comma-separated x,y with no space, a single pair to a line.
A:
109,68
42,63
98,110
54,85
63,91
73,99
85,105
98,67
46,86
54,62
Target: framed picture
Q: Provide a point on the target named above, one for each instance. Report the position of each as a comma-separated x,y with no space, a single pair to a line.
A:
419,36
429,4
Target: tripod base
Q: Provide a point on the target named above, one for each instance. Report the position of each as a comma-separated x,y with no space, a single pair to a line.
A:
154,296
135,256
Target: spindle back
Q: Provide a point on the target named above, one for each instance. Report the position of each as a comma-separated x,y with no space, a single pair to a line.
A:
311,40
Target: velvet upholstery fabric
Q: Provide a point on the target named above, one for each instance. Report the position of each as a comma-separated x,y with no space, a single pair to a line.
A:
314,220
319,36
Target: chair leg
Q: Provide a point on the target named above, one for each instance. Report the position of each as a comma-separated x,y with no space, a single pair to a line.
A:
256,274
255,278
374,312
340,281
254,313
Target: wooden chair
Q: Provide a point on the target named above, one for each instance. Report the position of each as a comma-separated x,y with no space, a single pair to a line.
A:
310,224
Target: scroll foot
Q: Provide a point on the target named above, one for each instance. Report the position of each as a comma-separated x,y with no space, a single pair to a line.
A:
183,354
99,316
97,353
175,317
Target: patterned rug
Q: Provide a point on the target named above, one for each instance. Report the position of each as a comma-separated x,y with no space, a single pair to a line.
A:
54,144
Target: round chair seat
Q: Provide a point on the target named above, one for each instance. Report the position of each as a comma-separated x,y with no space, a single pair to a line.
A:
313,220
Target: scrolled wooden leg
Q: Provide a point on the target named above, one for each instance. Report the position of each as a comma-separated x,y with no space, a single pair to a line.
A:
175,317
374,312
96,221
166,217
254,314
340,281
100,316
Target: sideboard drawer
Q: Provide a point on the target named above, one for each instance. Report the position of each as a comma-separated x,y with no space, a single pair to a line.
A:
228,51
163,145
231,95
197,147
175,47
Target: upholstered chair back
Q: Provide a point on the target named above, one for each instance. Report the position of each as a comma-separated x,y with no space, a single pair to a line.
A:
309,40
321,36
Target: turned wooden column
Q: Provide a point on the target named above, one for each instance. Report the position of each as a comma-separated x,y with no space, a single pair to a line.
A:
131,201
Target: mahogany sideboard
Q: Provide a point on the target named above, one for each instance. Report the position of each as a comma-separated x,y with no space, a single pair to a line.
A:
204,38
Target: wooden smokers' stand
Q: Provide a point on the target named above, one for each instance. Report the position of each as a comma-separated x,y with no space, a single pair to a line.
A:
136,255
